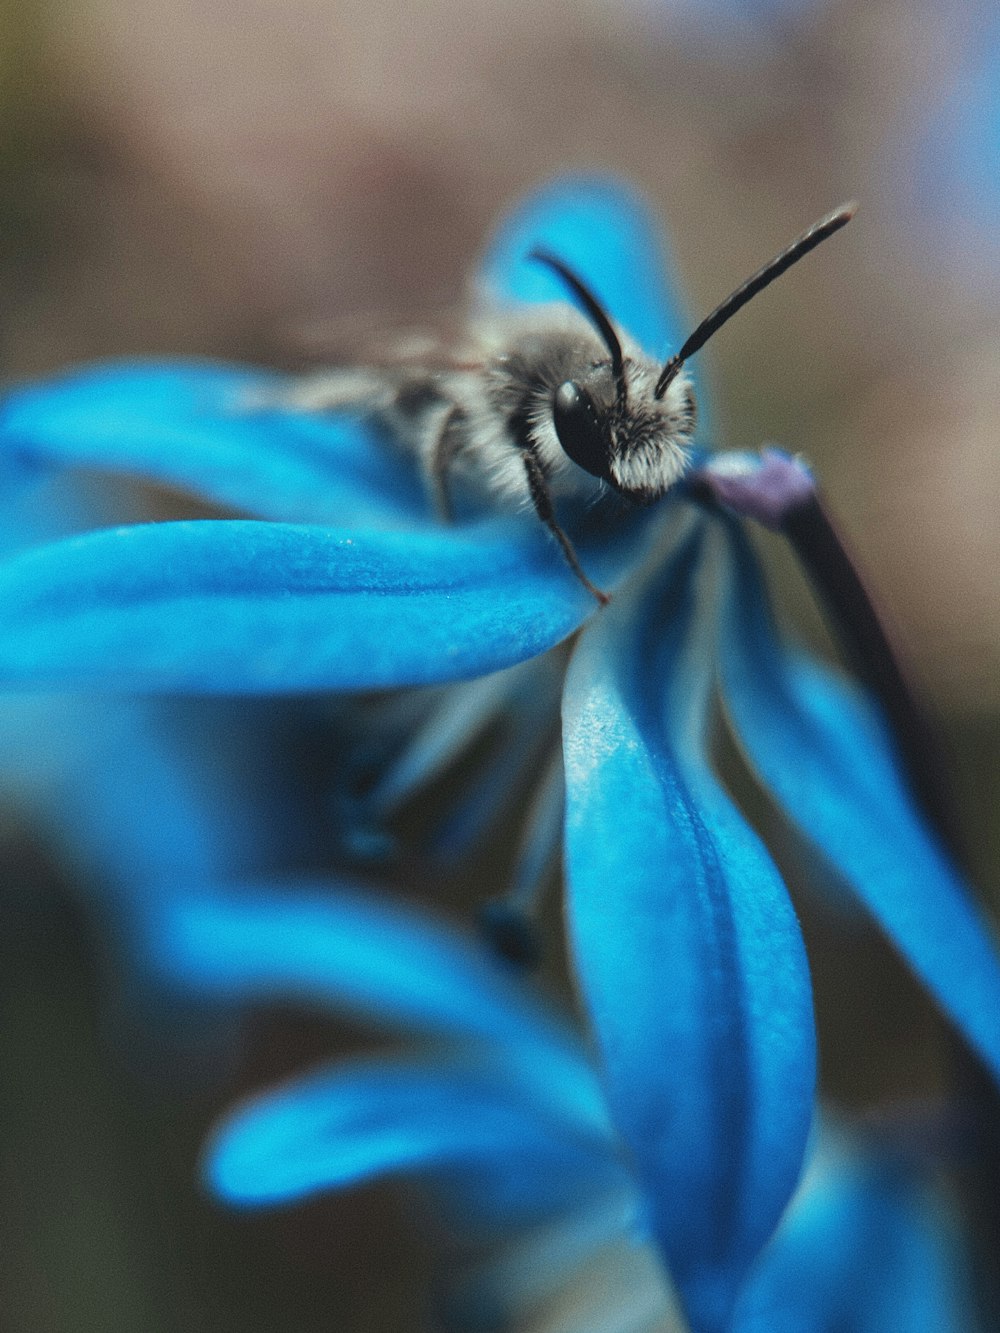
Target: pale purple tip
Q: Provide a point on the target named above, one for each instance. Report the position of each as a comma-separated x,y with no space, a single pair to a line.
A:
765,487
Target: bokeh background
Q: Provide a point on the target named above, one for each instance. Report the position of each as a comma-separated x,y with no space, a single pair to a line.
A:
227,178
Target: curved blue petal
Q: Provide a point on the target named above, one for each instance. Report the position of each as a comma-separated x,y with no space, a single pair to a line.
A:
606,233
135,803
141,793
378,960
237,606
452,725
556,1285
486,1201
541,837
527,735
863,1249
596,1246
688,952
132,800
824,750
366,1119
210,429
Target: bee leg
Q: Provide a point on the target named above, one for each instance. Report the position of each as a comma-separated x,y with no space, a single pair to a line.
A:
541,498
446,447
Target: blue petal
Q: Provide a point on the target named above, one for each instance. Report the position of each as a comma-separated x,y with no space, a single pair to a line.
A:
826,753
605,232
485,1199
240,606
687,948
131,804
863,1249
208,429
137,805
135,792
356,1122
541,838
528,734
380,961
452,725
571,1283
593,1246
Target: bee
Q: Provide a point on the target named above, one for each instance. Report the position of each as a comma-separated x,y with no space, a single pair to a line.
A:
544,403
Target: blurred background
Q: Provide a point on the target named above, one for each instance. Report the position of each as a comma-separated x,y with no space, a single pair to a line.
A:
210,178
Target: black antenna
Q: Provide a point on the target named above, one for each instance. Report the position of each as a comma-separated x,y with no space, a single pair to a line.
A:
593,308
809,240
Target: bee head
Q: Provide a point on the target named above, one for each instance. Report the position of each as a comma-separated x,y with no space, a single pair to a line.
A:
621,432
613,420
628,421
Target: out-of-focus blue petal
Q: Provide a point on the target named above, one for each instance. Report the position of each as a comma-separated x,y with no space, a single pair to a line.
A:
824,750
527,736
620,1289
592,1263
606,233
687,948
140,795
134,804
358,1121
238,606
211,429
863,1249
380,961
134,798
457,721
486,1202
541,838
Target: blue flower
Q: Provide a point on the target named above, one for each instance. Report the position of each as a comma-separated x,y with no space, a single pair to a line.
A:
499,1114
687,950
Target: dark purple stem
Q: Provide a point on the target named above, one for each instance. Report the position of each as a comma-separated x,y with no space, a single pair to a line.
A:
778,491
860,630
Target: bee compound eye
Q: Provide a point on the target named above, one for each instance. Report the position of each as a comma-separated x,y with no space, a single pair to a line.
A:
579,429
